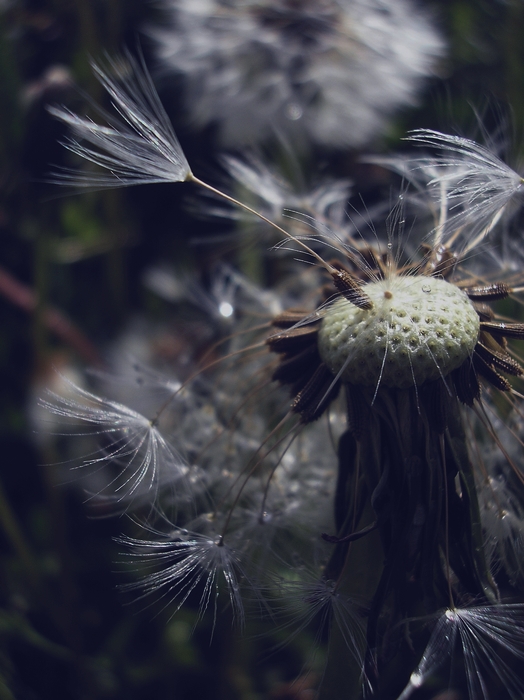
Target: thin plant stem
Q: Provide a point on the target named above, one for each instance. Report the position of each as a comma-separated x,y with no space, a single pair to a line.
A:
15,536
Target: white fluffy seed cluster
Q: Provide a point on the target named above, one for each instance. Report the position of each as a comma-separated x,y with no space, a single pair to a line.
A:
418,329
321,71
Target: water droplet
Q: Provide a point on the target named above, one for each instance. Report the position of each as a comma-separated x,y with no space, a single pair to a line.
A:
294,111
225,309
426,288
390,245
416,680
265,517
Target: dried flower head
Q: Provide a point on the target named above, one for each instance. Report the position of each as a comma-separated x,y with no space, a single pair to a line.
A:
405,357
328,72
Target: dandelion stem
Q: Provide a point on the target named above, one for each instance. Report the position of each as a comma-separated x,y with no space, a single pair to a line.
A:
16,538
446,519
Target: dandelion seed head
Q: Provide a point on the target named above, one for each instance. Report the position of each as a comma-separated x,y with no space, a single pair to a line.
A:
417,329
329,72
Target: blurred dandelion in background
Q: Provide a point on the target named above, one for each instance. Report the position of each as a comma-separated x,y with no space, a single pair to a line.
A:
376,496
326,72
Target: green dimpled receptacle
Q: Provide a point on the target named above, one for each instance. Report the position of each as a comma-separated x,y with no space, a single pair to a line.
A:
418,329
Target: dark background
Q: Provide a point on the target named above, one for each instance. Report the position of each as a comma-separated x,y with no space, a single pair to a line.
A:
65,629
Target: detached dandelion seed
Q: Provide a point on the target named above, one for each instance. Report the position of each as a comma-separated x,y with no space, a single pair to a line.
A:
183,563
131,443
473,183
137,147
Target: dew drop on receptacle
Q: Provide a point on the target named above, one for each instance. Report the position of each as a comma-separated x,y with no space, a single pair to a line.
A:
426,288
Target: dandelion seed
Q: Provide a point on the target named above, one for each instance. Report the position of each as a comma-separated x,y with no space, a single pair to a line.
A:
138,147
184,562
500,497
490,639
325,202
218,303
474,173
307,599
465,179
131,443
303,210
